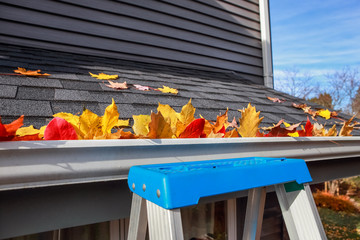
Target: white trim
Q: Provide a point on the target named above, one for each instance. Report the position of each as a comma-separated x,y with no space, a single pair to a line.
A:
266,43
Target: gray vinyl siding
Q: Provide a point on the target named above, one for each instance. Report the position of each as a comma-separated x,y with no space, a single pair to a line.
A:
199,33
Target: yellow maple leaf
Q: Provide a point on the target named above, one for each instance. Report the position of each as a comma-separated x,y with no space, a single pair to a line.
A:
42,131
141,124
88,121
249,122
159,127
185,117
123,123
104,76
170,115
24,131
295,134
324,113
166,89
110,118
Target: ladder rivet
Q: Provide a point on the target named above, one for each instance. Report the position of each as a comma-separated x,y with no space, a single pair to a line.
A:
133,186
158,193
144,187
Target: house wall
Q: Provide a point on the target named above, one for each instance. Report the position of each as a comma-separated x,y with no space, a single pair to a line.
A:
202,33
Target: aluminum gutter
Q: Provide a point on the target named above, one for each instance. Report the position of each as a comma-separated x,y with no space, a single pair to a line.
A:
33,164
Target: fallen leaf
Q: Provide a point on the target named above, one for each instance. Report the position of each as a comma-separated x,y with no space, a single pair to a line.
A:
231,134
332,132
60,129
159,127
110,118
88,121
185,117
141,124
220,122
8,131
170,115
347,128
27,131
194,129
308,131
324,113
295,134
123,123
215,135
141,88
276,100
249,122
166,89
115,85
278,131
126,135
233,123
30,73
104,76
303,105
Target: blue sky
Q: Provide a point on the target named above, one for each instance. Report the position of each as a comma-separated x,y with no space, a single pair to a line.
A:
315,36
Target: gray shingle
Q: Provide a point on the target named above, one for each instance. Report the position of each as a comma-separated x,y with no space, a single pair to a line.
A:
28,81
8,91
79,85
35,93
72,95
75,107
12,107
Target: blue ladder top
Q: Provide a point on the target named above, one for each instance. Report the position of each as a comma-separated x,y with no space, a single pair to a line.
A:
175,185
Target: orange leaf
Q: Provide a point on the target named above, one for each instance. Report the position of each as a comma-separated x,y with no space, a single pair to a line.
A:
308,131
159,127
14,126
33,137
347,127
60,129
116,85
194,129
220,122
30,73
231,134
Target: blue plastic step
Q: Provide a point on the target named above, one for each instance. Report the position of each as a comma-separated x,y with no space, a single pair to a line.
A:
175,185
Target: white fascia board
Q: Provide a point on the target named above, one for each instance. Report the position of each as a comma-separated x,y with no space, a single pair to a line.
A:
47,163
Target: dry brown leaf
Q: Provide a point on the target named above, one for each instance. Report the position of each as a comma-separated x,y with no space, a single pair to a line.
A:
347,127
276,100
159,127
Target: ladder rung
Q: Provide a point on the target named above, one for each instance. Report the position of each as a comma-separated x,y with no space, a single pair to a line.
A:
175,185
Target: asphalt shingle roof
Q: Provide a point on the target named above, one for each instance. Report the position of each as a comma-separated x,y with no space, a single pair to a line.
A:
70,88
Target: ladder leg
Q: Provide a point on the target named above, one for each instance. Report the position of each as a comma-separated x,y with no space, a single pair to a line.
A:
254,213
138,218
164,224
301,217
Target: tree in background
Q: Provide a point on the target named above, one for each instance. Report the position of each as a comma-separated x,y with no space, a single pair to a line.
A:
344,86
356,104
295,83
323,99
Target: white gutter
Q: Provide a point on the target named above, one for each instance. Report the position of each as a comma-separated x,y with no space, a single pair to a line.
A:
48,163
266,43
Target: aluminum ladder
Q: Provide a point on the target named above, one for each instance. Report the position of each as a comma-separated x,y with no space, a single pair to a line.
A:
160,190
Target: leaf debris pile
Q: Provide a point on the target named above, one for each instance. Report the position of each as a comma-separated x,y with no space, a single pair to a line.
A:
165,123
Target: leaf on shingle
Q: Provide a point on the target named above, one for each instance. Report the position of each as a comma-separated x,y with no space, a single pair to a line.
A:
324,113
166,89
116,85
104,76
276,100
141,88
30,73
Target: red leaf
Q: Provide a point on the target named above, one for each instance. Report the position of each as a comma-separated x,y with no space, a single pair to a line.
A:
308,130
222,130
194,129
278,131
60,129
